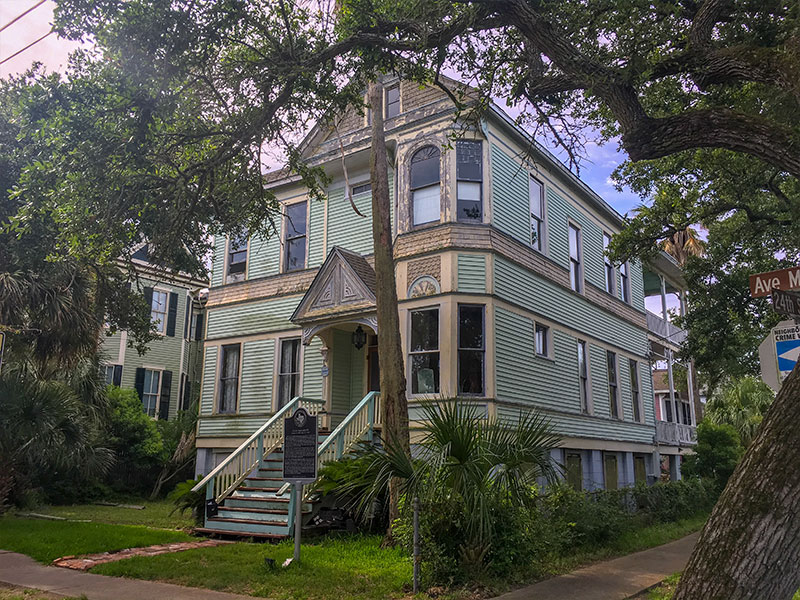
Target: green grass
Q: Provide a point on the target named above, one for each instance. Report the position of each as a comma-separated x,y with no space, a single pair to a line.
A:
18,593
333,568
47,540
155,514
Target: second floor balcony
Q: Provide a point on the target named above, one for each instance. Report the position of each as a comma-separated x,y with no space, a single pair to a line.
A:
665,330
675,434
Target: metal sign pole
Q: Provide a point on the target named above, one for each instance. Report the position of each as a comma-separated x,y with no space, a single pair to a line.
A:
298,515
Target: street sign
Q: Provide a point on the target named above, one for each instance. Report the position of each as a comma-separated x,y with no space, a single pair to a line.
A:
762,284
300,447
786,303
787,348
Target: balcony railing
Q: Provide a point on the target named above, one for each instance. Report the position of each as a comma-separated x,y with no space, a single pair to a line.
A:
675,434
665,330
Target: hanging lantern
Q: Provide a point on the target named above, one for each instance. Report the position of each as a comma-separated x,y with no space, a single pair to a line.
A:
359,338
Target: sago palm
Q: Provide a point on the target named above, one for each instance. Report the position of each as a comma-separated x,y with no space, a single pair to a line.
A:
741,403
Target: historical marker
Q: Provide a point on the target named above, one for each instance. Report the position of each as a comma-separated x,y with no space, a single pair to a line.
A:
300,447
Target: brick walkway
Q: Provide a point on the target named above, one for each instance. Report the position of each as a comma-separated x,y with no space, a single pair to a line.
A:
86,562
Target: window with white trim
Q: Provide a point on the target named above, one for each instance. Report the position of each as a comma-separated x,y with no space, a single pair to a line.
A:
424,351
361,188
625,283
158,310
107,374
237,257
583,375
613,386
536,197
392,96
635,395
471,349
542,335
295,236
425,188
469,175
229,378
150,391
611,279
288,371
575,258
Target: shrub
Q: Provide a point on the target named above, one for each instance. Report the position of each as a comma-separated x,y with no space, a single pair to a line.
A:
716,454
185,499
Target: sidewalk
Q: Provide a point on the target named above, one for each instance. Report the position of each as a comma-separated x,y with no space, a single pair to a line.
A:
614,579
20,570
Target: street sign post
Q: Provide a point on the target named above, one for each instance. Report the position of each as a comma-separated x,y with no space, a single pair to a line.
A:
786,303
299,462
763,284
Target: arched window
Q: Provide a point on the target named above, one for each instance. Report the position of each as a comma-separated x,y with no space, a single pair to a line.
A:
425,185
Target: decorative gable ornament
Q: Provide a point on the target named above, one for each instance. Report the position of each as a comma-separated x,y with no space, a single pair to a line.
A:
342,291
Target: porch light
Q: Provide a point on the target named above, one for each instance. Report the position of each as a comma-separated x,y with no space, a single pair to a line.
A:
359,338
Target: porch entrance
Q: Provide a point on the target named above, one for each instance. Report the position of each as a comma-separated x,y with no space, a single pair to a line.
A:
353,372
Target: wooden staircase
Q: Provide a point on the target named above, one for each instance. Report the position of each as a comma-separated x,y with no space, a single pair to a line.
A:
246,489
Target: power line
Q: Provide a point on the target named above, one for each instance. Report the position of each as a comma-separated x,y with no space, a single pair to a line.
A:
33,43
18,17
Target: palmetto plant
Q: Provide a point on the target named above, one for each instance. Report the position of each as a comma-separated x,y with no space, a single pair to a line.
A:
741,403
462,458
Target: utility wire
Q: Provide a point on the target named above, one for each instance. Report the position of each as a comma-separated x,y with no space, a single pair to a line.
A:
18,17
33,43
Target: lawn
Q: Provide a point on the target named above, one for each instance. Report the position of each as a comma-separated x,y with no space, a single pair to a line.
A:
333,568
47,540
155,514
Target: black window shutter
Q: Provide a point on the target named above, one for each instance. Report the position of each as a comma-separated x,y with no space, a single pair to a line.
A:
139,382
148,297
117,378
166,385
172,314
198,329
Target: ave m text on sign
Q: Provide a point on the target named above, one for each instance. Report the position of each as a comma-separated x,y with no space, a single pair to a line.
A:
763,284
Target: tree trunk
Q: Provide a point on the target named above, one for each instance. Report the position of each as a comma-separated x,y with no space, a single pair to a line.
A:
750,547
390,354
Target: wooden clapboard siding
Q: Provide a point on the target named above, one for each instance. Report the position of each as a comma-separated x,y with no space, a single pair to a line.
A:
252,317
535,293
209,380
218,260
316,232
264,253
599,375
233,426
312,370
258,364
345,227
510,201
472,273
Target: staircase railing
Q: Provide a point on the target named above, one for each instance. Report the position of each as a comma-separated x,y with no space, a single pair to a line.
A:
358,424
230,473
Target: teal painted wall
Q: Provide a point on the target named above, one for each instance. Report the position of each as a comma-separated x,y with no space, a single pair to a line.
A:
345,227
316,233
252,318
264,256
510,202
312,370
218,260
258,364
472,273
517,285
347,372
209,380
599,375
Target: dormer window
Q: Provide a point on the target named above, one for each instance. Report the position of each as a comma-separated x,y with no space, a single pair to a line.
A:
425,189
237,258
469,173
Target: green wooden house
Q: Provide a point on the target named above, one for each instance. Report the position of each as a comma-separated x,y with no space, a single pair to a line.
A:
168,376
506,300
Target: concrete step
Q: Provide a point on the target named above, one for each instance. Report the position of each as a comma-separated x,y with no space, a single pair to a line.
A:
248,526
263,482
240,534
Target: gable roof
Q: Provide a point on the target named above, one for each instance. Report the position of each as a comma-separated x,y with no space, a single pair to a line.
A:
344,285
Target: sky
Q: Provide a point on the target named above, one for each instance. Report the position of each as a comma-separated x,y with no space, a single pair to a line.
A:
53,53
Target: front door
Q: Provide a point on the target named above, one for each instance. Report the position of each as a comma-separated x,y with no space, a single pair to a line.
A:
373,368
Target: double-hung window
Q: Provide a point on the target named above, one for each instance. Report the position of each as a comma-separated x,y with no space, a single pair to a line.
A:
609,268
296,236
158,310
237,257
229,379
583,375
536,196
613,386
575,258
624,283
469,173
424,351
425,189
470,350
637,411
361,188
288,371
152,382
392,95
542,335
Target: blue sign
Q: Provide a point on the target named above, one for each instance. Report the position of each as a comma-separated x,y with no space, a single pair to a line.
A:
788,352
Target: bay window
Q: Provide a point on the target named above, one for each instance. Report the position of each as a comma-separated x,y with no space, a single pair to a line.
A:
425,189
424,351
470,350
469,173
